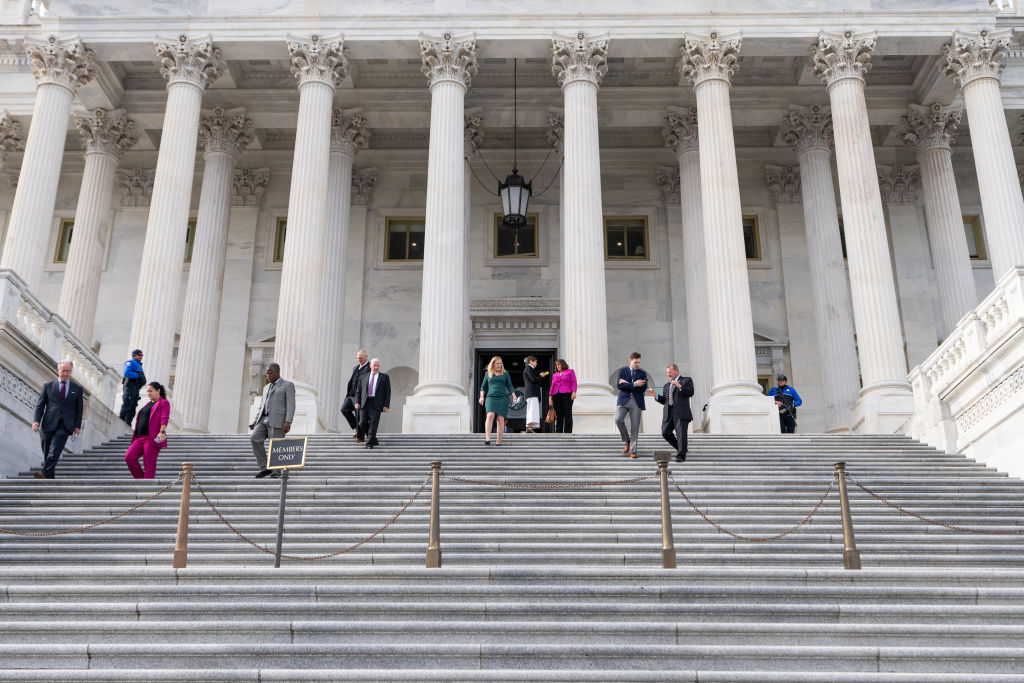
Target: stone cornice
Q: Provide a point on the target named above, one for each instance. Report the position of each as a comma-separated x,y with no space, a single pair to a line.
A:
66,63
837,56
318,59
107,132
976,55
680,131
579,58
348,131
448,59
931,127
227,131
196,62
806,128
783,183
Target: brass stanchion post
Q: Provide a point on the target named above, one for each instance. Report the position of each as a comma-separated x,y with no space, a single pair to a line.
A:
851,556
181,541
434,540
668,544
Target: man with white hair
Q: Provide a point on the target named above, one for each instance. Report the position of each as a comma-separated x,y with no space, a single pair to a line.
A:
372,399
58,416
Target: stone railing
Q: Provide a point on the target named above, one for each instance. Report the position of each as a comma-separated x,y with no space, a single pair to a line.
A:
969,393
51,334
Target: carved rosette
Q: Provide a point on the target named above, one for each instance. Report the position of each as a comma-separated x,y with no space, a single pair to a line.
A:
136,187
318,59
668,180
348,131
971,56
107,132
196,62
680,130
448,59
473,132
12,136
227,131
837,56
806,128
899,184
931,127
364,181
711,57
579,59
783,183
556,129
249,185
66,63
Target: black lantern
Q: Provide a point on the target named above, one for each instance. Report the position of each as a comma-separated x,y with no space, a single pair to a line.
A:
515,191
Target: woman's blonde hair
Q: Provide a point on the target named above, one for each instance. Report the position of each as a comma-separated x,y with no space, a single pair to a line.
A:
490,367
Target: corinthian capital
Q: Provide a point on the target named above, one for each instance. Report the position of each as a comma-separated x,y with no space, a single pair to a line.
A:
227,131
680,129
136,187
473,133
364,180
579,59
806,128
556,129
109,132
348,131
196,62
899,184
249,185
448,59
783,183
668,180
12,136
842,55
711,57
318,59
932,127
60,62
971,56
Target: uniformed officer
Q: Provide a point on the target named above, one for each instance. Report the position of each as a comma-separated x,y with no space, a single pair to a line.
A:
132,381
788,401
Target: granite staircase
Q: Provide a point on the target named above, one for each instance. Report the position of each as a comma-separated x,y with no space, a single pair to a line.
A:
537,584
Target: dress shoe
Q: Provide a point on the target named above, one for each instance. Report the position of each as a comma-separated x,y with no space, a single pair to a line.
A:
39,475
632,454
487,443
680,458
625,449
263,473
358,440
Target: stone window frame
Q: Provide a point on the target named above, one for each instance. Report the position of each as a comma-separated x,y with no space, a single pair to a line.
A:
610,217
758,241
979,236
378,232
385,241
506,258
65,233
267,226
657,237
190,240
277,242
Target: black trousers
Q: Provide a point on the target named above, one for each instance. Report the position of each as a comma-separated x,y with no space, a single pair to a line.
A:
368,426
53,445
674,431
788,423
348,409
129,401
562,404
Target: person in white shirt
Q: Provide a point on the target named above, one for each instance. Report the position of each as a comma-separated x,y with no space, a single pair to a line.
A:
372,399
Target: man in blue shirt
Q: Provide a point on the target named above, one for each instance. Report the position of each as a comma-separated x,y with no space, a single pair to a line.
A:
132,381
788,401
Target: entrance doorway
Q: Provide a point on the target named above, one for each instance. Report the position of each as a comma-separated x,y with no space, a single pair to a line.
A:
514,365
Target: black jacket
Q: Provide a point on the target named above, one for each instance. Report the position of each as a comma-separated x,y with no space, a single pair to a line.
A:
353,383
532,380
680,408
381,396
51,412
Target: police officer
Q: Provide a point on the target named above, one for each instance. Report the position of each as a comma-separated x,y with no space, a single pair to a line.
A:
788,401
132,381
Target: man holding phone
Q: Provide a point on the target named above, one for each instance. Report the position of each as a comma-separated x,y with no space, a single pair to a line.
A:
631,383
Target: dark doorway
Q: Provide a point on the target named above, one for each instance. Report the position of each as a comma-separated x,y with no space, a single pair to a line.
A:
513,361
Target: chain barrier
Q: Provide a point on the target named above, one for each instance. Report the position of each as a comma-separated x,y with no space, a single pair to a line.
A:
94,524
952,527
327,556
547,485
756,539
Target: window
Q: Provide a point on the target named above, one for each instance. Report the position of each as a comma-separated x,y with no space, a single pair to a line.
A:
766,383
190,239
842,237
507,246
751,238
975,241
625,238
64,233
404,239
280,231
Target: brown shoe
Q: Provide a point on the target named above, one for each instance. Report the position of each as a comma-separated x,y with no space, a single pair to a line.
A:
358,440
625,449
39,475
632,454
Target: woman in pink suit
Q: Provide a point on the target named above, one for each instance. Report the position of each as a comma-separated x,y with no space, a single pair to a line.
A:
150,432
561,396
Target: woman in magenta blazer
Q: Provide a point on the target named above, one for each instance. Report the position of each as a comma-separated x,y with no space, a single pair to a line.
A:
150,432
561,396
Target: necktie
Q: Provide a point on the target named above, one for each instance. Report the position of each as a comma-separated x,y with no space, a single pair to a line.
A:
671,394
373,381
63,390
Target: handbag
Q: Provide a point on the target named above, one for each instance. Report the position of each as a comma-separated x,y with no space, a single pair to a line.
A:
550,417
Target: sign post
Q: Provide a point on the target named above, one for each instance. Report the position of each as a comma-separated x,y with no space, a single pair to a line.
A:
284,454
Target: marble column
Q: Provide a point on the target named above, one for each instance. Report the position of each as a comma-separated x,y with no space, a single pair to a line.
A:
440,402
809,131
579,64
319,64
189,67
737,404
886,401
104,136
224,134
931,131
681,135
348,135
975,62
60,67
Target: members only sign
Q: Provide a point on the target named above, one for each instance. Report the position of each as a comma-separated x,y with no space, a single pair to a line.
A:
286,453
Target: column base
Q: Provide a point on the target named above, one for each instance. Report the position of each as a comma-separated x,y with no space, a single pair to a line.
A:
750,412
884,409
307,410
437,411
593,411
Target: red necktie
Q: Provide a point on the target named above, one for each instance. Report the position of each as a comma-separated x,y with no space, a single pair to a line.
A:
63,390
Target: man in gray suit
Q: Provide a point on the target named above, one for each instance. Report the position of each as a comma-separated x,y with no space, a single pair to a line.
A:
275,417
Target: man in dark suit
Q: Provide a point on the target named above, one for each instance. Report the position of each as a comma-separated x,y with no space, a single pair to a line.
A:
373,398
58,416
631,383
676,415
532,387
348,408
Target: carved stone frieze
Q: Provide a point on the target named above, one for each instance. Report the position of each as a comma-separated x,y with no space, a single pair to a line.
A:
448,59
318,59
108,132
930,127
579,58
842,55
225,130
899,184
668,180
473,132
680,130
783,183
196,62
12,136
348,131
514,304
60,62
976,55
709,57
136,186
249,185
806,128
364,181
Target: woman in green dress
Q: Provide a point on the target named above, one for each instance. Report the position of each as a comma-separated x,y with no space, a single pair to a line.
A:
494,397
